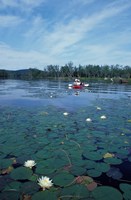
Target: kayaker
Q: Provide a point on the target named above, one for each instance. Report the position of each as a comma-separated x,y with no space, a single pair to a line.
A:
77,82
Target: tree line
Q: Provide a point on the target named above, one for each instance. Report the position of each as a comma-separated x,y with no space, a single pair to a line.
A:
69,71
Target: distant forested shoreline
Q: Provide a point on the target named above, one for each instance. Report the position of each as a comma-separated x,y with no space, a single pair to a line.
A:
69,71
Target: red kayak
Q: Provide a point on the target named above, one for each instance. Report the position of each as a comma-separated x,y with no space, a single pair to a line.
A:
77,86
81,86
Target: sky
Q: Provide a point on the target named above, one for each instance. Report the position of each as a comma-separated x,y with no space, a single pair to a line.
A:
37,33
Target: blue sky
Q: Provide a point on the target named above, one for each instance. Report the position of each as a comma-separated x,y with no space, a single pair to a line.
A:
37,33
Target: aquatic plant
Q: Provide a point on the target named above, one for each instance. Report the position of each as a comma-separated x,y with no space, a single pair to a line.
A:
45,182
29,163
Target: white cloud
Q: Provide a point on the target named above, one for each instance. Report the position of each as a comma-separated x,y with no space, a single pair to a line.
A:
16,3
20,59
9,20
66,35
24,5
8,3
82,2
57,42
32,3
37,28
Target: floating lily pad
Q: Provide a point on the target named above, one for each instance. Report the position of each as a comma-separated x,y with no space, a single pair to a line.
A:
44,195
79,162
115,173
121,155
63,179
84,180
90,164
43,154
102,167
92,186
45,170
21,173
58,163
123,151
87,181
21,158
129,158
126,188
77,171
94,173
34,177
79,191
9,195
5,163
93,155
29,187
90,147
113,161
106,193
15,186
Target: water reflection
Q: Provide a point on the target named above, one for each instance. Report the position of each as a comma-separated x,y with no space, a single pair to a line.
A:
19,92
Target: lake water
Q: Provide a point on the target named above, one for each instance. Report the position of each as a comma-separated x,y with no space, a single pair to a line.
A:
36,93
45,121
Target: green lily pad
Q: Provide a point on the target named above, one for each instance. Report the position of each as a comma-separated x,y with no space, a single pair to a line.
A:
90,164
91,147
9,195
63,179
102,167
21,173
126,188
45,170
77,171
123,151
94,173
21,158
113,161
115,173
44,195
129,158
121,155
43,154
15,185
29,187
5,163
79,191
33,178
58,163
91,155
78,162
106,193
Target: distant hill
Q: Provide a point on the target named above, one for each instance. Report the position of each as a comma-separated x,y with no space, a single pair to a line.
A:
69,71
21,74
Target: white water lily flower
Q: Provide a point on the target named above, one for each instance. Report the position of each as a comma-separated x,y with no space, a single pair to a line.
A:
103,117
65,113
98,108
30,163
88,120
45,182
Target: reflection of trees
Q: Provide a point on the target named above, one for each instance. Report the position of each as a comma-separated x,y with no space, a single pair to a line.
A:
69,71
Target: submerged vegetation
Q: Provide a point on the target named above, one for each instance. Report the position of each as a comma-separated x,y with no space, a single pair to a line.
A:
70,71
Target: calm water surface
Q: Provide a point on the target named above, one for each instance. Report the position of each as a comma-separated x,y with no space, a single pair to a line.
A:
36,93
67,147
